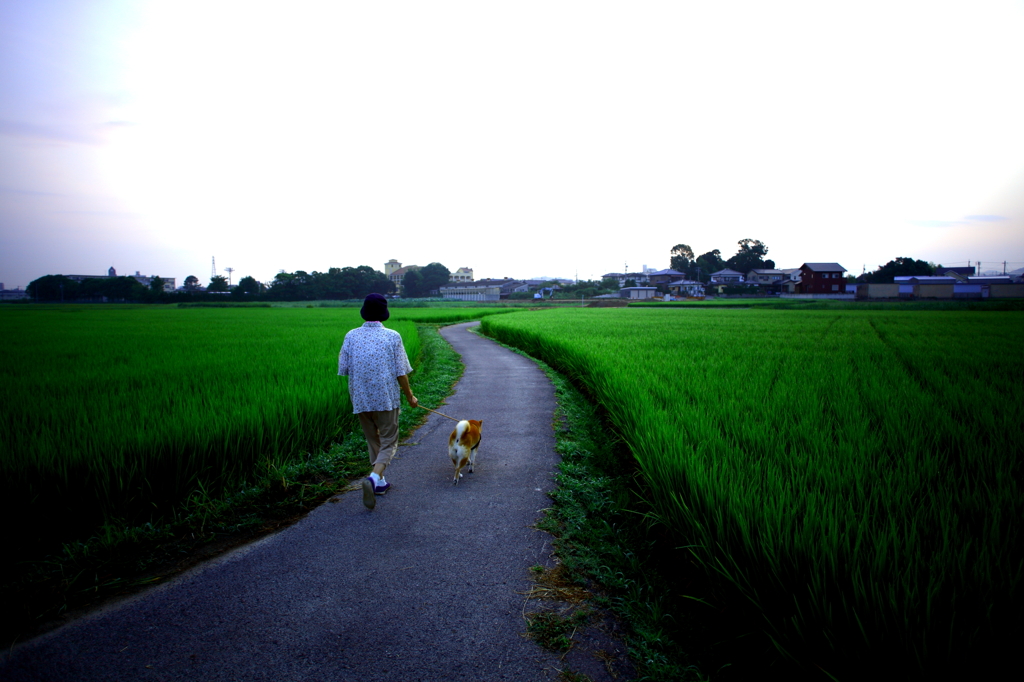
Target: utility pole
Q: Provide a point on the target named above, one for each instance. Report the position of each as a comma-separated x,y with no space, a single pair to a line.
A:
229,271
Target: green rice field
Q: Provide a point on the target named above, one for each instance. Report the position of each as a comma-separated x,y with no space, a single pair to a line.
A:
854,475
116,414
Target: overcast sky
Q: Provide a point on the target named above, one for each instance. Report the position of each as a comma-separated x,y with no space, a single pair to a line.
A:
517,138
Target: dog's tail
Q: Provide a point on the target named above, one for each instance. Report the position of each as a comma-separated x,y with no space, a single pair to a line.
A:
461,429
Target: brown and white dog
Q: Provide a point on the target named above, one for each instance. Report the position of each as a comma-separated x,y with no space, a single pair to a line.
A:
462,445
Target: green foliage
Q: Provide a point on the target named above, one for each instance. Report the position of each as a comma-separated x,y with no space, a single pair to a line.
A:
855,476
600,531
697,268
751,256
119,558
218,284
553,630
52,288
900,267
444,315
587,287
706,264
118,412
412,284
681,258
247,287
434,277
335,284
57,288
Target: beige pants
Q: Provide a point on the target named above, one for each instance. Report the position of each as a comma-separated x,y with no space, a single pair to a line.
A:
381,431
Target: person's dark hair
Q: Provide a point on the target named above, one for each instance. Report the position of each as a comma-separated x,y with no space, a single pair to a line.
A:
375,308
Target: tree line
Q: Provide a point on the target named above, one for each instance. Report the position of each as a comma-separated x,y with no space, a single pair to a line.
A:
335,284
750,256
58,288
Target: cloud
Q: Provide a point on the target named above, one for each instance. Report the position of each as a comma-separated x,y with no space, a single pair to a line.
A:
985,218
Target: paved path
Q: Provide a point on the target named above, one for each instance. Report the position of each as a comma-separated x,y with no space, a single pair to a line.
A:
425,587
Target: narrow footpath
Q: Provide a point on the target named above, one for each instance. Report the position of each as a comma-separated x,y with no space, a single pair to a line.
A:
428,586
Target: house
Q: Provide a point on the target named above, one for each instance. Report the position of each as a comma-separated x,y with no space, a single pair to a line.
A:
481,290
821,278
686,288
638,292
462,275
960,272
764,277
664,276
727,276
790,280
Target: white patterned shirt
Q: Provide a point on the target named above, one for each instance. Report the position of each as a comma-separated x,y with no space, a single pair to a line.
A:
373,358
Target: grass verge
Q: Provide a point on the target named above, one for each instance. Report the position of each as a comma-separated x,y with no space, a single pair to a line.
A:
37,595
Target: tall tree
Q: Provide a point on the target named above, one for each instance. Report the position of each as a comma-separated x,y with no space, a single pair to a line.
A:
156,285
750,256
218,283
247,287
191,283
435,276
682,257
412,285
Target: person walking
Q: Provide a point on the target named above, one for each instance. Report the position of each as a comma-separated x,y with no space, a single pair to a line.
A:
374,360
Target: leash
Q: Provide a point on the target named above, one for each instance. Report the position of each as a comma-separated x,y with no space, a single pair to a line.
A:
436,412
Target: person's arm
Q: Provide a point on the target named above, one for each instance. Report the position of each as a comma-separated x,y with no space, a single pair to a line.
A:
403,381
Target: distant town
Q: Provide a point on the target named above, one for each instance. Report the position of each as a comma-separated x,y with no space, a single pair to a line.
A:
690,277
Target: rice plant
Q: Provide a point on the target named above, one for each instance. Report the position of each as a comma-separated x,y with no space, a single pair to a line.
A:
120,413
855,475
